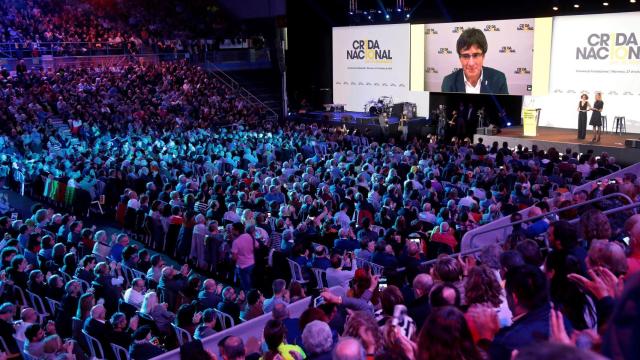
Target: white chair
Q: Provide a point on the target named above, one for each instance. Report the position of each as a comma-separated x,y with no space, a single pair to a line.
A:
375,268
17,291
296,272
85,285
320,276
120,352
38,305
128,273
99,202
181,334
54,305
226,321
94,346
66,277
138,274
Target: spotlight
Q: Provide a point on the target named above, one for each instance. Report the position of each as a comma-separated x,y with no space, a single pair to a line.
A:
555,8
508,124
364,12
605,4
387,17
350,12
369,17
398,9
632,1
408,16
379,11
576,5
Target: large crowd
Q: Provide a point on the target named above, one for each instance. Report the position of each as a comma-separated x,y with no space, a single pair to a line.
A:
237,207
71,27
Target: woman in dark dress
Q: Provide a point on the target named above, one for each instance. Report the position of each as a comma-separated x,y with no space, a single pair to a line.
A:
596,117
583,107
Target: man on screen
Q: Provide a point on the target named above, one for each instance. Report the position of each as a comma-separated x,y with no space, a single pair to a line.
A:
473,78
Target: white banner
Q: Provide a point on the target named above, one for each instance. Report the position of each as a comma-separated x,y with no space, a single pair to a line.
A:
510,50
370,62
596,53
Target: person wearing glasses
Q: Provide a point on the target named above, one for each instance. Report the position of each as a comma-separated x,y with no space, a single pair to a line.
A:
473,77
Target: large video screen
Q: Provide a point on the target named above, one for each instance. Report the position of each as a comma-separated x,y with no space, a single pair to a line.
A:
370,62
596,53
488,57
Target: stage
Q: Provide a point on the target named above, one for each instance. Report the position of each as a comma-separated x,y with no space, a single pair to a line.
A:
562,139
365,123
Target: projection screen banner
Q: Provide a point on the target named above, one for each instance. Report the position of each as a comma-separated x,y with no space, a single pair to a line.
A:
596,53
510,51
370,62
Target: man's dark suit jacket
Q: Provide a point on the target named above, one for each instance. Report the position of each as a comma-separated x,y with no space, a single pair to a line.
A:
493,82
144,351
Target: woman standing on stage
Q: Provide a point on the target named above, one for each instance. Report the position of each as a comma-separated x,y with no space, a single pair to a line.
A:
583,107
596,117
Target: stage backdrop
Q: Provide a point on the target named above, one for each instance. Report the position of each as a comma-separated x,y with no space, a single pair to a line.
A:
593,53
510,50
370,62
596,52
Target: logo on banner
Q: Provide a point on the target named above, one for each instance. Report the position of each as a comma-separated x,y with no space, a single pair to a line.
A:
627,93
431,70
522,70
458,29
369,51
612,92
525,27
615,46
430,31
491,27
507,50
445,51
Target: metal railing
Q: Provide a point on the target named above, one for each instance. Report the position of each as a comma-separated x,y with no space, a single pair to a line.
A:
573,221
238,55
239,90
574,206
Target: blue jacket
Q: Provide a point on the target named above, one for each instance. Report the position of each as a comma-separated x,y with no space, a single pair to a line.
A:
531,328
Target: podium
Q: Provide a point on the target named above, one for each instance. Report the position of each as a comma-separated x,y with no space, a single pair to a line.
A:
530,119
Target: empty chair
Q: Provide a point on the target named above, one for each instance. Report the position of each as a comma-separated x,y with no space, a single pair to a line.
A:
19,295
321,276
296,272
182,335
120,352
95,348
225,320
54,306
38,305
85,284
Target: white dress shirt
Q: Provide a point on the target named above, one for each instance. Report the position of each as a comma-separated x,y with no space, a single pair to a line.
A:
133,297
470,89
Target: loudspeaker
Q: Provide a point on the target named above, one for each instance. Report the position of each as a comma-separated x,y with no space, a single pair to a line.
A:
399,108
487,131
632,143
346,119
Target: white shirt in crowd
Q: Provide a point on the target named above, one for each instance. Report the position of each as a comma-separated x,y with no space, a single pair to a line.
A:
133,297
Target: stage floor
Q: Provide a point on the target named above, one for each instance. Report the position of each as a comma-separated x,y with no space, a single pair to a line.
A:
569,136
561,139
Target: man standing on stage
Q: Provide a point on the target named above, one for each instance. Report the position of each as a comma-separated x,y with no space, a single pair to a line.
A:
473,77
